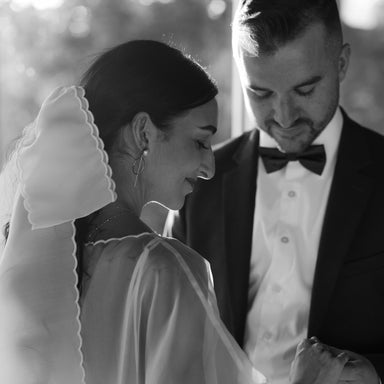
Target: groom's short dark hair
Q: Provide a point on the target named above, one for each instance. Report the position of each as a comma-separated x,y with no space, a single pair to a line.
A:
262,26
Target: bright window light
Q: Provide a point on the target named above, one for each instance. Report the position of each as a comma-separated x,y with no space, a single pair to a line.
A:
38,4
361,14
216,8
150,2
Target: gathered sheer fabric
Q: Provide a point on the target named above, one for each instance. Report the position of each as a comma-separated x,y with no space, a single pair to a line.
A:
148,311
149,316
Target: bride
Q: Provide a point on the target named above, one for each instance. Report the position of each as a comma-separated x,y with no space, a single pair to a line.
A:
89,293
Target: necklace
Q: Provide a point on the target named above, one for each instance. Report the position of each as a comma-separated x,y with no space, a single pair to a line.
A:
98,227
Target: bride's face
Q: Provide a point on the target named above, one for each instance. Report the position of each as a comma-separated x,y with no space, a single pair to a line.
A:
177,161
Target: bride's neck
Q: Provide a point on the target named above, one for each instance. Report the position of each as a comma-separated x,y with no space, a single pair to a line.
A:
130,188
116,220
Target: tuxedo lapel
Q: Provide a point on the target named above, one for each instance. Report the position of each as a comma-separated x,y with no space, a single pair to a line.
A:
239,187
349,194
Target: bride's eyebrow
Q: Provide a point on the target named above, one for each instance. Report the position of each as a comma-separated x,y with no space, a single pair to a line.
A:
209,128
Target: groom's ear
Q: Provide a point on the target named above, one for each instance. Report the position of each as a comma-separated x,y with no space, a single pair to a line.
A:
344,61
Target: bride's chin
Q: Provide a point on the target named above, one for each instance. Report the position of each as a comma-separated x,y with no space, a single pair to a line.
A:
173,205
176,204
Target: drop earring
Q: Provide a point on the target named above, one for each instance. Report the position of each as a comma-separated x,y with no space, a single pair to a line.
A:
139,165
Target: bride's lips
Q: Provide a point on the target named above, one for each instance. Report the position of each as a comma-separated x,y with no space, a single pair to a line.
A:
191,181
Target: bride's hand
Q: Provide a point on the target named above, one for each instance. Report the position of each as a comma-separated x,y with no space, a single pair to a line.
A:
315,364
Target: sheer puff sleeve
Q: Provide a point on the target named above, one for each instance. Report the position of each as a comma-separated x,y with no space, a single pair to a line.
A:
174,322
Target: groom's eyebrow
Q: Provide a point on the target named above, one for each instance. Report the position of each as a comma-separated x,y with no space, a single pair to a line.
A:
209,128
312,80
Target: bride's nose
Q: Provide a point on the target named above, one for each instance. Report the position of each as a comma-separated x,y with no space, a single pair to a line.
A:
207,167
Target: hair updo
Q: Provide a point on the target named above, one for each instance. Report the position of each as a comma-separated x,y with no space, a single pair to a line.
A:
143,76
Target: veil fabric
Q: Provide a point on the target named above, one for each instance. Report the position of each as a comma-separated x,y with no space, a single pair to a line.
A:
63,174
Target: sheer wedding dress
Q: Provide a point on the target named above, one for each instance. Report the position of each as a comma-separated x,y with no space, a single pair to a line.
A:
149,316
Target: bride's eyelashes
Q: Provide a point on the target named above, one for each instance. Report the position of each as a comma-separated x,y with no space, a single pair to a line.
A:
202,145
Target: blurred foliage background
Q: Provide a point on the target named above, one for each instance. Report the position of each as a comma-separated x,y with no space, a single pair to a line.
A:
47,43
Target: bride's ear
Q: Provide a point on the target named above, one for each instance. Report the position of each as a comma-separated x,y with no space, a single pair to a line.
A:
143,130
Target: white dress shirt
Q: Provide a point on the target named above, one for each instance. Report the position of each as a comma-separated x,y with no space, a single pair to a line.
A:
289,213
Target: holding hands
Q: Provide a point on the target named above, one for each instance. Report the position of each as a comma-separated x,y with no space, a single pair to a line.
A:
317,363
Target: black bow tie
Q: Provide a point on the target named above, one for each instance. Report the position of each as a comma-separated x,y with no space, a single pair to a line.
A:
313,158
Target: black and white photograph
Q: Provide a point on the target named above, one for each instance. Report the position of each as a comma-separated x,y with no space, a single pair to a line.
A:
192,192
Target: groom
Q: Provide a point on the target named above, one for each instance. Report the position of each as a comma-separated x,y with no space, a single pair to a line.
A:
293,221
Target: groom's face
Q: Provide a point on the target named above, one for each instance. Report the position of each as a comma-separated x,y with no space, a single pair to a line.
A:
293,93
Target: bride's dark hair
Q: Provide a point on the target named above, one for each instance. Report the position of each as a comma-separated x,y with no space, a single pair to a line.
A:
140,76
143,76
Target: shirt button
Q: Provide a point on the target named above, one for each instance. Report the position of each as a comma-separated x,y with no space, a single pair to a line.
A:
285,239
267,336
292,194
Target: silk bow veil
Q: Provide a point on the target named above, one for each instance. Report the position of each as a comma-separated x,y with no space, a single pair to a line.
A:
63,174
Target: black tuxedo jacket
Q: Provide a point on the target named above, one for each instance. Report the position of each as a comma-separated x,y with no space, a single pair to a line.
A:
347,305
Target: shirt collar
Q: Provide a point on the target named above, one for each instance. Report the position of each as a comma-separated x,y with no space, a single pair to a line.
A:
330,137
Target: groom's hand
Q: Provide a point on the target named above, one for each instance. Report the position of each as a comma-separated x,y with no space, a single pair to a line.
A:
358,369
315,364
